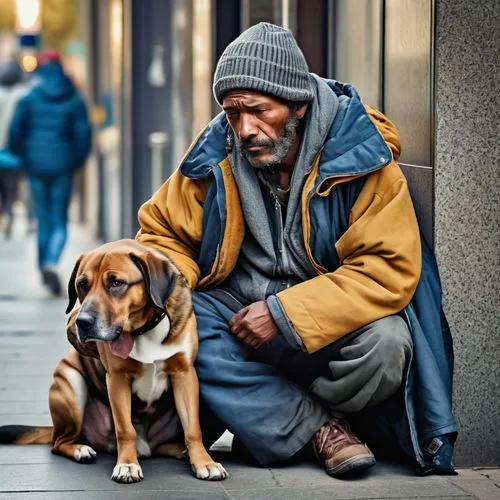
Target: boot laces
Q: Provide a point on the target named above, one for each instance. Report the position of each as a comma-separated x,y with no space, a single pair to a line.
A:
334,436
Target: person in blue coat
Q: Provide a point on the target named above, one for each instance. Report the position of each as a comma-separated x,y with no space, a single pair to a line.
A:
51,133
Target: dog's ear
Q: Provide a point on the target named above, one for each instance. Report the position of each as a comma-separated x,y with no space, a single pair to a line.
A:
73,296
159,275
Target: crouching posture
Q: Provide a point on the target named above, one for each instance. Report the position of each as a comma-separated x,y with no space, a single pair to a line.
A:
135,335
317,303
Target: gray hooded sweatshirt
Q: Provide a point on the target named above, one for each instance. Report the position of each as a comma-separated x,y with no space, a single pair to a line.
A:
273,255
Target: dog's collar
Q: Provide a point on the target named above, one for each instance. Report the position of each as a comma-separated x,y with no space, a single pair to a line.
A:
150,324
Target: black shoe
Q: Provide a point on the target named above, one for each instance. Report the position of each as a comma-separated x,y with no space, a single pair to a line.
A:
8,229
51,281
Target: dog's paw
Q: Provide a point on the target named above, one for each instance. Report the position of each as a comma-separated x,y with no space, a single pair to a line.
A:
85,454
212,471
127,473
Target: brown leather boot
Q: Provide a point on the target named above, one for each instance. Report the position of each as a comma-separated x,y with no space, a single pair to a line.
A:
340,450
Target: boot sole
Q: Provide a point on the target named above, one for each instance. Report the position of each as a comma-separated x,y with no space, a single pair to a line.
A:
352,466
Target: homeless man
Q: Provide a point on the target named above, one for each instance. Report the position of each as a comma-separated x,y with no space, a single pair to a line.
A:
316,301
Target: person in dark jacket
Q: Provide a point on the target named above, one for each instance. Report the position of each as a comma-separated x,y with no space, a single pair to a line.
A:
51,133
11,91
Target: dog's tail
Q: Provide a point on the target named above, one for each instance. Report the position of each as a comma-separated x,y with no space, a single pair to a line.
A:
25,434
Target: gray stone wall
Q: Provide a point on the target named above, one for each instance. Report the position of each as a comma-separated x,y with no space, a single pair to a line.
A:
467,210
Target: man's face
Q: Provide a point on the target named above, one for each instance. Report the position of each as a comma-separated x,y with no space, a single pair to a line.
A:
265,128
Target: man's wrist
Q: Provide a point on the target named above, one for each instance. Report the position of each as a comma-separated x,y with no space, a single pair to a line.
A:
283,323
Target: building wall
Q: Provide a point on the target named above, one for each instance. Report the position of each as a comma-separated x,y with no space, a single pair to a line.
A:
467,210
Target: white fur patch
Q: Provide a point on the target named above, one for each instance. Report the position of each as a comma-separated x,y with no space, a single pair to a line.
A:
141,443
149,350
152,382
148,347
79,387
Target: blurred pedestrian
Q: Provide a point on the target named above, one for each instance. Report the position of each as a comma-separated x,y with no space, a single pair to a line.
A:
11,91
51,133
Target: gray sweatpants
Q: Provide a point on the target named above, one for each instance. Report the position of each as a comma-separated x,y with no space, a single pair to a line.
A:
360,370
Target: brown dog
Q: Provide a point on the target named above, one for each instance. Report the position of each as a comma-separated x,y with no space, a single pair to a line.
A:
135,335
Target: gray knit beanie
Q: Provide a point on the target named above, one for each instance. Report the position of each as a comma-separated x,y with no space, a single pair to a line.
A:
265,58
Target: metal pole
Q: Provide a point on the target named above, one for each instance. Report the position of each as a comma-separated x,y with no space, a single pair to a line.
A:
157,142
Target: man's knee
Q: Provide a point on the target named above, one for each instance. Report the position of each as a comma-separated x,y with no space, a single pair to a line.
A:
392,347
392,337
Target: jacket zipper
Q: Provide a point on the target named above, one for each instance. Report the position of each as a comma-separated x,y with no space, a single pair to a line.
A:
283,257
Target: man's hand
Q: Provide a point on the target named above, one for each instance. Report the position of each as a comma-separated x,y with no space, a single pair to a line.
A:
254,324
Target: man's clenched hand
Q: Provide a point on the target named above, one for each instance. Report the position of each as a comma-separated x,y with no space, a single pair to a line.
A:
254,324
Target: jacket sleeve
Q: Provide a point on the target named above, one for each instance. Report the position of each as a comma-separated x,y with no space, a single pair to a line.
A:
17,129
171,221
380,264
82,133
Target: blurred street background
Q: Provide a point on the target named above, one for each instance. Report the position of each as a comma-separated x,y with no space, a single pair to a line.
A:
145,70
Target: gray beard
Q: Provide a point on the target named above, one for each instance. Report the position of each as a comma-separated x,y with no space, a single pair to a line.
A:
279,149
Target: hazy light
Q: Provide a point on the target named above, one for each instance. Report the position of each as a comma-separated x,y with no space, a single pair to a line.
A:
28,16
29,62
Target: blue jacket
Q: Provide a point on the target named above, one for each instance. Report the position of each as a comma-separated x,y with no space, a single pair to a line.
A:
50,130
196,219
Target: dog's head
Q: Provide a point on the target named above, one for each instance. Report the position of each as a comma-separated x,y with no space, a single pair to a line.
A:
120,286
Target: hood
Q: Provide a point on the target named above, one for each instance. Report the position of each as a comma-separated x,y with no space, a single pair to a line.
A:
53,84
355,145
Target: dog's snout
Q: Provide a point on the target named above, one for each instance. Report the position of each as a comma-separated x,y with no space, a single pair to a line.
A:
85,321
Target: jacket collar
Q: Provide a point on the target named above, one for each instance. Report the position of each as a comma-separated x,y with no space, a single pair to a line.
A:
354,145
207,150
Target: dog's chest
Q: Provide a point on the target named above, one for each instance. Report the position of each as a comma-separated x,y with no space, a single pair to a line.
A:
152,382
151,352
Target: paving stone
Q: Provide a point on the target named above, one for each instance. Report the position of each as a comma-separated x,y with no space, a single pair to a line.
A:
303,479
327,493
143,494
24,395
36,383
481,487
25,419
492,474
23,407
29,454
63,474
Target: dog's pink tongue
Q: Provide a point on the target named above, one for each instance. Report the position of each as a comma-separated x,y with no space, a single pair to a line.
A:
122,346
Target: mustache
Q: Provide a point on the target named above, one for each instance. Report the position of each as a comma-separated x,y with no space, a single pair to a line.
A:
252,142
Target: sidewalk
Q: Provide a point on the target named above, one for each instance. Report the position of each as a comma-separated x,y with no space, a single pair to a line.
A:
32,339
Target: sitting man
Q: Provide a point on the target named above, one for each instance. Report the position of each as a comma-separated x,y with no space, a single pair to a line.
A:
293,224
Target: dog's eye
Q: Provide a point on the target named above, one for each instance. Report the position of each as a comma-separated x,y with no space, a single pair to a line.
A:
82,285
116,283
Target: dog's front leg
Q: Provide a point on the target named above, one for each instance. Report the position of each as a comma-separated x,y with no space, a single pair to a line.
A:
186,395
127,469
